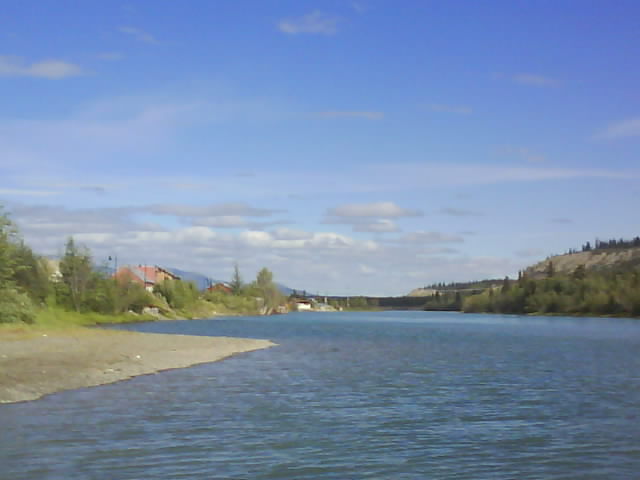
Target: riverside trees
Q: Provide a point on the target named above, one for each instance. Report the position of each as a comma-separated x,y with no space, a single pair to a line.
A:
583,292
262,296
268,291
26,281
15,303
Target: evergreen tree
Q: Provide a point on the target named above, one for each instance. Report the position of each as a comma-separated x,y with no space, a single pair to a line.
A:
550,270
76,271
236,281
8,237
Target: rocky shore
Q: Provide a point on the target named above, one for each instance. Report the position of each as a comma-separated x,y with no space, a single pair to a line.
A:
37,363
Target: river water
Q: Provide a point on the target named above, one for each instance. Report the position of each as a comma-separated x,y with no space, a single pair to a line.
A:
393,395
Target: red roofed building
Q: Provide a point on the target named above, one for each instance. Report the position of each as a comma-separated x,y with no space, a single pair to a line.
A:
220,287
146,275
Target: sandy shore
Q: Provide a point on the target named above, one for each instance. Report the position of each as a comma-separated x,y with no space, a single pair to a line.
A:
38,363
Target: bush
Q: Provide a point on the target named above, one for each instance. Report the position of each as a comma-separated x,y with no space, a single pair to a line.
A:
228,303
16,307
177,293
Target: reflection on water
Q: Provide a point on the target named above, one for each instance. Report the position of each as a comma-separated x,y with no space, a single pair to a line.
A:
395,395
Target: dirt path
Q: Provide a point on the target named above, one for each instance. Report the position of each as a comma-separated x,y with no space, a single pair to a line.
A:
38,363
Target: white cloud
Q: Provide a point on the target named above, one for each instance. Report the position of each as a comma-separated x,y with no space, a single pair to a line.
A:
229,210
291,234
352,114
233,221
315,22
224,221
50,69
322,262
138,34
376,210
457,109
366,269
379,226
625,128
429,238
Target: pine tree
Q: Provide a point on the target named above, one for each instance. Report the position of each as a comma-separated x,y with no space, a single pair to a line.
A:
236,282
550,270
76,271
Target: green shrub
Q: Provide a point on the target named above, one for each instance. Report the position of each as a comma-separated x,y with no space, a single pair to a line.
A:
177,293
16,307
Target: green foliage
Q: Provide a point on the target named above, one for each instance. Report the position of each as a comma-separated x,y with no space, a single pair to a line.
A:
16,307
582,292
56,317
358,302
8,240
108,296
268,291
132,296
230,303
177,293
20,272
236,282
77,274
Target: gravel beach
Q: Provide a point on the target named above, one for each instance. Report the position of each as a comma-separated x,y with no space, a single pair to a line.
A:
34,364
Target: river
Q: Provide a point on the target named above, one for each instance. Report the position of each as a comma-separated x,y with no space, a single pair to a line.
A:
389,395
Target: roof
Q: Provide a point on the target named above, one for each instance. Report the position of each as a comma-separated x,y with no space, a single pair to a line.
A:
148,273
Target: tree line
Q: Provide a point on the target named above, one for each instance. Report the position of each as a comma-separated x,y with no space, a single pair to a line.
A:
28,284
610,244
476,284
583,292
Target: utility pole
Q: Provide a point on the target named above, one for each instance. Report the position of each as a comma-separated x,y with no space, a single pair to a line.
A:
115,260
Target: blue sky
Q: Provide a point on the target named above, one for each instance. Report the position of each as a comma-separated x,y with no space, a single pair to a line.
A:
365,147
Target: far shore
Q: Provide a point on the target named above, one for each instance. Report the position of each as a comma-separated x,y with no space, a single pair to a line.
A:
35,362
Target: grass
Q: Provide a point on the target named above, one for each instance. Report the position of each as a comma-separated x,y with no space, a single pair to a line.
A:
58,318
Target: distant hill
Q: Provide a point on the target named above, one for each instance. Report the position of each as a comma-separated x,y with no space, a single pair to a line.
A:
462,287
285,290
422,292
623,255
610,258
202,281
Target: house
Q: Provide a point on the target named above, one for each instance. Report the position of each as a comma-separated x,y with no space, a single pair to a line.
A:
220,287
146,275
303,305
53,268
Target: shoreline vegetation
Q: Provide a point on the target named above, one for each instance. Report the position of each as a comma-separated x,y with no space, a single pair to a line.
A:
46,347
607,292
76,291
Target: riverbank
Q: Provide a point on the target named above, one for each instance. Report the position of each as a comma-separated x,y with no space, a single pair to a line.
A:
35,362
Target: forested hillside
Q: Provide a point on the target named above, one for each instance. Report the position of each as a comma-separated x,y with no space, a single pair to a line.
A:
592,259
601,281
